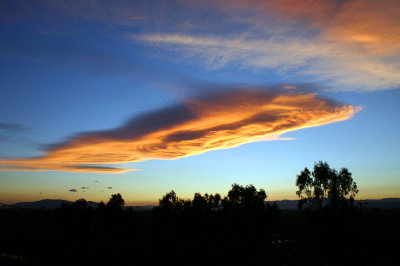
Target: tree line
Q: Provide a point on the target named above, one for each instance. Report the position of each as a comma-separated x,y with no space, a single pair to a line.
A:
324,187
238,228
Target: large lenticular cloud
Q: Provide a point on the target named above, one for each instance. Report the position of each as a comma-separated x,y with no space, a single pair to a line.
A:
196,126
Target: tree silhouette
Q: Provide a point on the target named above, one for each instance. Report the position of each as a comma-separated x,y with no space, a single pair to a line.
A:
213,201
325,183
101,206
205,203
80,204
116,202
199,203
247,198
170,201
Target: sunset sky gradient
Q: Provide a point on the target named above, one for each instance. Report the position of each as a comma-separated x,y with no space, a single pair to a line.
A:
141,97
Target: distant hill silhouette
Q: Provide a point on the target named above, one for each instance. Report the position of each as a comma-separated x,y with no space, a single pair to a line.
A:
386,203
56,203
46,204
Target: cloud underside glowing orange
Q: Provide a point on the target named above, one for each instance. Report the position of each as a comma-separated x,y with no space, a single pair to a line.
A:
218,122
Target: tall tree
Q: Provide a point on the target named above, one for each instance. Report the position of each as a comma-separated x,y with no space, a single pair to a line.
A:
247,198
325,183
116,202
170,201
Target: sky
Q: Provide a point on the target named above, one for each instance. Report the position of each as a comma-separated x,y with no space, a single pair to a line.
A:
143,97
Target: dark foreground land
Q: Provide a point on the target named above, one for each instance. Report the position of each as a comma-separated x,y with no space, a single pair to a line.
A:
73,236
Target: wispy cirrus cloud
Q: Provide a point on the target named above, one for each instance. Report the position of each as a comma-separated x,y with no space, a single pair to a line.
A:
218,51
351,45
215,121
370,25
355,45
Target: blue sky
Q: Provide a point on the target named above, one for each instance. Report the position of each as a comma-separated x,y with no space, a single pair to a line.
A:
182,92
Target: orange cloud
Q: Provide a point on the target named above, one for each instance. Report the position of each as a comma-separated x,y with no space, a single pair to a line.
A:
352,44
371,25
214,122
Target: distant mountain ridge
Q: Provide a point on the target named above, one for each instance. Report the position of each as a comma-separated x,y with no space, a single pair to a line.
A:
385,203
56,203
45,204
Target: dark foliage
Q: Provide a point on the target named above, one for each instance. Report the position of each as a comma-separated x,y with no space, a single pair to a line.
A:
244,199
116,202
238,229
325,187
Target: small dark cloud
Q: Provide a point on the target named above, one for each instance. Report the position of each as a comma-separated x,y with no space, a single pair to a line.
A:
73,190
84,187
96,181
9,130
12,127
90,168
109,187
